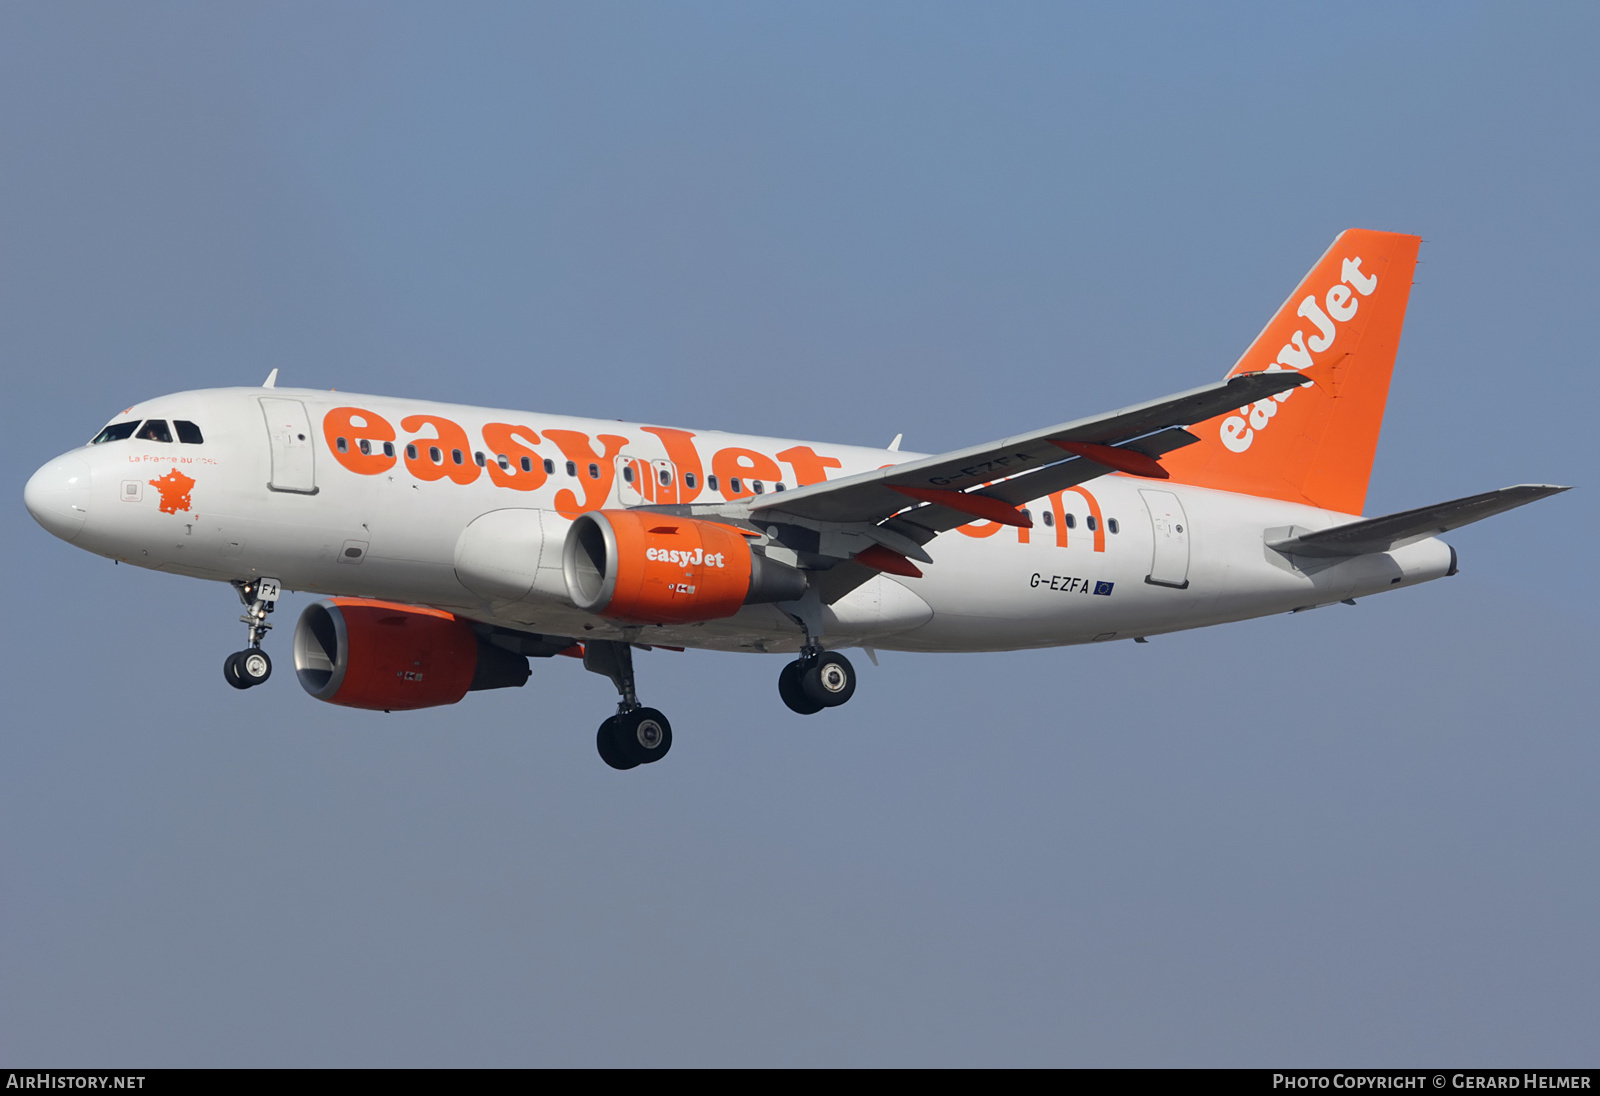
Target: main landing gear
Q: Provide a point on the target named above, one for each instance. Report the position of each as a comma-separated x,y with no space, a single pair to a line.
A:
251,666
817,680
636,735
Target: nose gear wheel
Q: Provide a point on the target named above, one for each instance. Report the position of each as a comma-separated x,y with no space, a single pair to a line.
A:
251,666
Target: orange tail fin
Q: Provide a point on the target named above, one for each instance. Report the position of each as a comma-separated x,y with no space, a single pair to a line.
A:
1315,443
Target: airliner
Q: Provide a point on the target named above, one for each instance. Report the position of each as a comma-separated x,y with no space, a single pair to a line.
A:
450,545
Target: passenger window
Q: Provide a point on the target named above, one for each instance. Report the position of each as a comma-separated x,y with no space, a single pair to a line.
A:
118,432
627,473
505,463
1113,527
435,455
711,482
365,446
1069,521
777,487
479,458
755,485
1049,518
572,468
411,452
735,485
455,455
1027,513
594,471
388,449
666,478
155,430
1088,523
549,466
689,480
341,445
188,432
527,464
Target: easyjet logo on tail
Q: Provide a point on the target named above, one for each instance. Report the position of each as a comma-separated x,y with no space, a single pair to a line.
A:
1337,307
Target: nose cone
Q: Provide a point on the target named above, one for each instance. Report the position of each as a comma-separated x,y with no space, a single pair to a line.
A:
58,496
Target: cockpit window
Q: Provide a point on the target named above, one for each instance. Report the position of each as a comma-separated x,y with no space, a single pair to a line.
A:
117,431
188,432
154,430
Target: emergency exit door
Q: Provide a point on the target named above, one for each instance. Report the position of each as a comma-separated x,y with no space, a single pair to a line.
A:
641,481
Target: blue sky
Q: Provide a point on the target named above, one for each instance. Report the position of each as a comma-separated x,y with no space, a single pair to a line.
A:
1354,835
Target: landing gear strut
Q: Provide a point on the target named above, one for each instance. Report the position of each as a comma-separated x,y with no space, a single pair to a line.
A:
635,735
817,680
251,666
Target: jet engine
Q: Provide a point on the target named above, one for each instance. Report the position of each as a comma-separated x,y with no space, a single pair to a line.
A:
656,569
388,657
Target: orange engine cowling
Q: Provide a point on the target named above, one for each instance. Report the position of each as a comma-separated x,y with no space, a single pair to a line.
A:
657,569
389,657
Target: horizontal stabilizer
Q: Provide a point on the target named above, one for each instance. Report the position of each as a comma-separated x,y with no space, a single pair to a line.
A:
1409,526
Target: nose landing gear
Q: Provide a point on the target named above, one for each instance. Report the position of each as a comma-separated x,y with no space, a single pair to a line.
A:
636,735
251,666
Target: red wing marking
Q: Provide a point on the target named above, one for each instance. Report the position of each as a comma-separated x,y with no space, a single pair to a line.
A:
880,558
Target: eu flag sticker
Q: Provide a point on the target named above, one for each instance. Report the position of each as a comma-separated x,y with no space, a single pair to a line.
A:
1103,588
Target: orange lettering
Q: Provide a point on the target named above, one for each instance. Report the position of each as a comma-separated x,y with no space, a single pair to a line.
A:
808,467
451,444
743,465
575,447
352,426
1094,511
1060,515
501,438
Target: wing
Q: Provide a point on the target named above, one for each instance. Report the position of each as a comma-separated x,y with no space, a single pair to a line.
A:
1020,460
890,513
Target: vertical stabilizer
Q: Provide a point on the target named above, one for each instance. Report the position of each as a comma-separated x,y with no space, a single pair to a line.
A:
1315,444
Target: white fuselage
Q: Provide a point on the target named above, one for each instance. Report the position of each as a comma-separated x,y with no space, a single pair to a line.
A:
255,499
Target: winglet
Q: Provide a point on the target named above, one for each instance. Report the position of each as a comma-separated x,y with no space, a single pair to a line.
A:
271,381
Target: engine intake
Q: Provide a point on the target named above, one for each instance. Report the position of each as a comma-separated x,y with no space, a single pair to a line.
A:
388,657
656,569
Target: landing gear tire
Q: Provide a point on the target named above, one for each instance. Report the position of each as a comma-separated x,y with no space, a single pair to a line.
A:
829,681
606,742
244,669
254,666
642,736
793,693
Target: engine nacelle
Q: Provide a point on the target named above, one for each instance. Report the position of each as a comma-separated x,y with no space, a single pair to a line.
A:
657,569
388,657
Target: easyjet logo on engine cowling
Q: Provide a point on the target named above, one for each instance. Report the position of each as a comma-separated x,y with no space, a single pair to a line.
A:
685,558
1337,307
